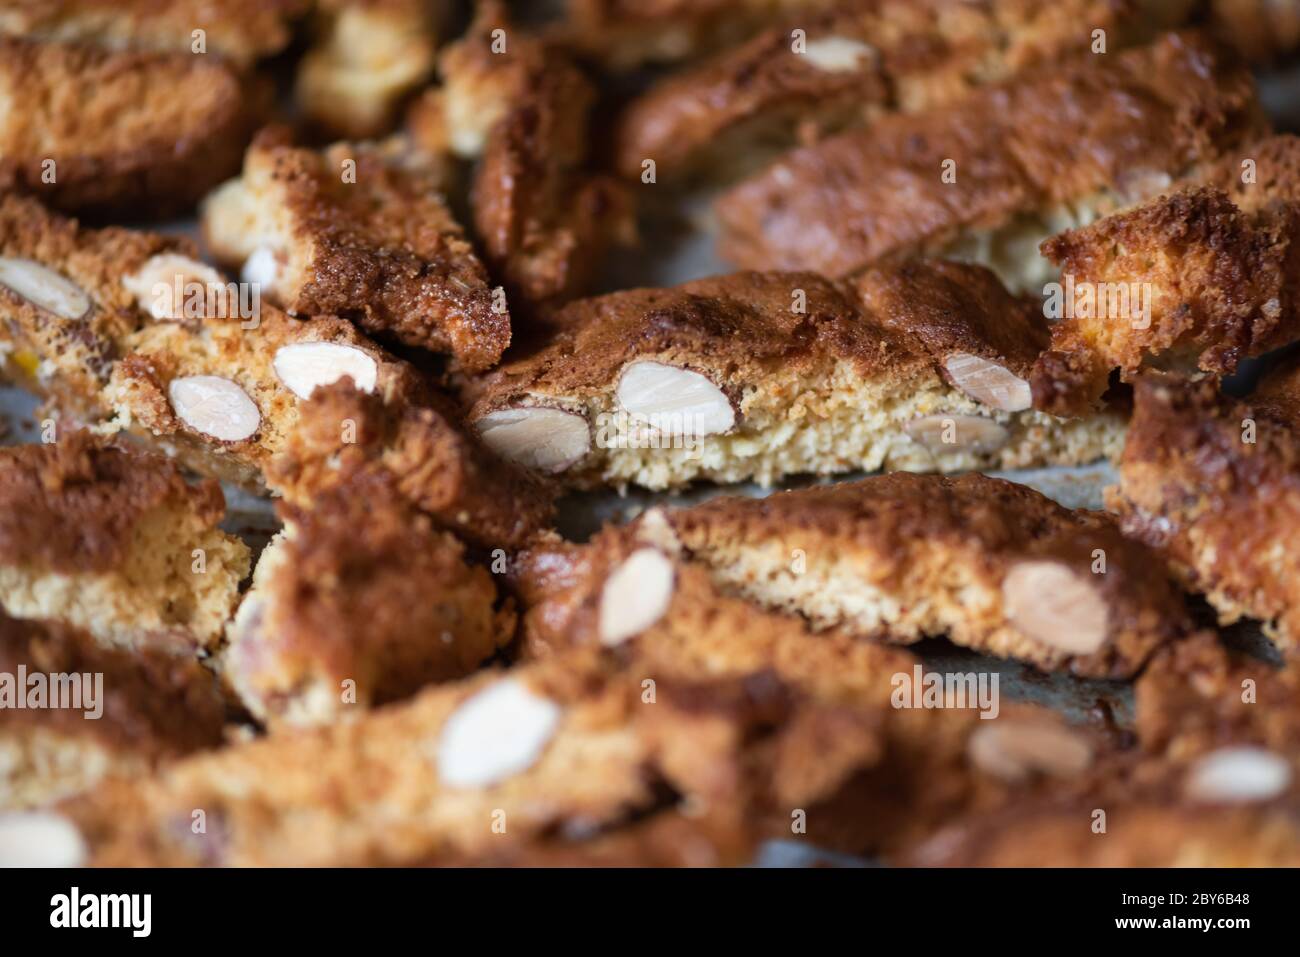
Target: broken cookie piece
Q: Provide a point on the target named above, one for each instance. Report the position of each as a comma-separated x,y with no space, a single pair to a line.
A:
843,68
1193,282
113,541
368,54
135,134
987,178
560,752
1214,484
755,376
992,565
358,602
356,232
439,466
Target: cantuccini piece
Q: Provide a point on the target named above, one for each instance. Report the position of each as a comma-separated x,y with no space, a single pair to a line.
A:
1263,31
1215,485
358,232
636,589
76,712
987,178
105,132
435,462
992,565
367,55
761,375
847,66
358,602
241,31
114,541
1193,281
568,750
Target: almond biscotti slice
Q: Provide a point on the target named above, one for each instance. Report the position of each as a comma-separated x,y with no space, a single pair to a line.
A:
358,232
992,565
755,376
367,55
635,589
136,134
76,712
987,178
241,31
551,753
343,436
823,72
1214,484
113,541
358,602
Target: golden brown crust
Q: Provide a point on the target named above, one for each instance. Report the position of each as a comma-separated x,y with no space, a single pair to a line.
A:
442,470
69,506
242,31
361,602
357,233
1216,486
861,196
136,134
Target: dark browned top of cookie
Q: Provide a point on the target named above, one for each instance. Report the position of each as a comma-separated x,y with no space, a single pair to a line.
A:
69,506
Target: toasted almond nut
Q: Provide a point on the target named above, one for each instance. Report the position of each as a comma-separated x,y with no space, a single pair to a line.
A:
674,401
40,839
838,54
495,734
957,433
988,382
44,288
261,268
214,406
303,366
173,272
1016,750
636,595
1056,605
539,437
1233,775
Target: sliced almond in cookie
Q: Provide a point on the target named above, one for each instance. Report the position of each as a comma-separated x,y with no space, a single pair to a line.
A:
838,54
1238,775
159,286
1056,605
987,382
496,734
303,366
44,288
539,437
957,433
261,268
674,401
1016,750
214,406
636,595
40,839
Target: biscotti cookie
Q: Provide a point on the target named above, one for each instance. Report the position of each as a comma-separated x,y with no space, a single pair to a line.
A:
367,55
437,464
987,178
761,375
358,602
556,751
352,231
132,133
1215,485
241,31
1263,31
992,565
76,712
636,590
114,541
843,68
1193,281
